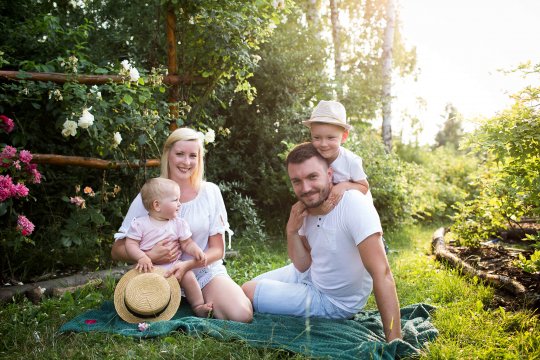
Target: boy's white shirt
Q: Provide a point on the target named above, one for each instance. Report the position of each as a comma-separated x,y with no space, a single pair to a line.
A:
347,167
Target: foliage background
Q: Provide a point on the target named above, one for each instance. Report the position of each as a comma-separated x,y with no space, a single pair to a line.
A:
258,67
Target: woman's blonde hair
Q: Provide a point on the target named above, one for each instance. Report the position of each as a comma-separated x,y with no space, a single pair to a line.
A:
184,134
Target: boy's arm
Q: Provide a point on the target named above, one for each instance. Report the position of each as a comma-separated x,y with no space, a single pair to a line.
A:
361,185
339,189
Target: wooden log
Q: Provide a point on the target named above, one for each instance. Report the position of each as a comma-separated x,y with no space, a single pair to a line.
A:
60,78
57,287
43,288
88,162
500,281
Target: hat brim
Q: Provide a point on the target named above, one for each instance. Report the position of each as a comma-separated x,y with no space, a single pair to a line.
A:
326,120
130,317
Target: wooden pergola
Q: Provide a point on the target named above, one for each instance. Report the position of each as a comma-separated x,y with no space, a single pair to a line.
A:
173,79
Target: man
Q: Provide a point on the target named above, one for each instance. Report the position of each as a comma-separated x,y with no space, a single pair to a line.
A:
337,257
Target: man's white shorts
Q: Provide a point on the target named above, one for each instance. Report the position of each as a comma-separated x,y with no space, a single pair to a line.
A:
286,291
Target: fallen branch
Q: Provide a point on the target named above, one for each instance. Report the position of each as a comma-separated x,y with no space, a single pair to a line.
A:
442,254
58,287
49,287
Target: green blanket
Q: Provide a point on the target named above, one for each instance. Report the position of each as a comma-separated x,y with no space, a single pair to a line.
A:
362,337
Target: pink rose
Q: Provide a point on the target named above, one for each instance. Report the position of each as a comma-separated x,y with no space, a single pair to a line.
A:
6,124
24,225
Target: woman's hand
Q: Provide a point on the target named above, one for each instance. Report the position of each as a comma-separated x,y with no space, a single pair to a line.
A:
177,270
164,252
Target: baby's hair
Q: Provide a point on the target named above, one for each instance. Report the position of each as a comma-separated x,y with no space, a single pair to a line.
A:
154,189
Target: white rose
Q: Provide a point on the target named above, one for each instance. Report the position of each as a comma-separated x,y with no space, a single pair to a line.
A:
86,120
210,136
278,4
126,65
134,74
117,138
70,128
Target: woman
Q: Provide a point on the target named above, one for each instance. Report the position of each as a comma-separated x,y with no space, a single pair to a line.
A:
204,210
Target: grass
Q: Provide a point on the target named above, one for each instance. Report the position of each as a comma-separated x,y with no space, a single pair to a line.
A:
468,328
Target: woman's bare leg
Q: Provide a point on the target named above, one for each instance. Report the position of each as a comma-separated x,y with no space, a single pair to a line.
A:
228,300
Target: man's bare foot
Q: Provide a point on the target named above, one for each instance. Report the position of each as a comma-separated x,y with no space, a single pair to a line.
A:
202,310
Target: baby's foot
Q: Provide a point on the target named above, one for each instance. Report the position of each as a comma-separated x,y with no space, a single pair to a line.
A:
202,310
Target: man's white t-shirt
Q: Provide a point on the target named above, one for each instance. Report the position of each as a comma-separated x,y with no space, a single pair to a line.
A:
337,268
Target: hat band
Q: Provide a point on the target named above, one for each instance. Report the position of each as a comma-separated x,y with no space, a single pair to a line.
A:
149,316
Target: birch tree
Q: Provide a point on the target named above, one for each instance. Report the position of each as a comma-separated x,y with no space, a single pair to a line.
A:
388,44
336,37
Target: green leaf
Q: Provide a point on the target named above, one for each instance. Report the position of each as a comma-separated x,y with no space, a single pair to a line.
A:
127,99
142,139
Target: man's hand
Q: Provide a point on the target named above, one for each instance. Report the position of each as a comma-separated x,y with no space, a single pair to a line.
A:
296,218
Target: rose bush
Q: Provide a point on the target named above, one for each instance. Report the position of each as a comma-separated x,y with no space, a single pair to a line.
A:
16,172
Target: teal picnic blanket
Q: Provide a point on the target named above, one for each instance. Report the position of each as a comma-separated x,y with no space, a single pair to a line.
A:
362,337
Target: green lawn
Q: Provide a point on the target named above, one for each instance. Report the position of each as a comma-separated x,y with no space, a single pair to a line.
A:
468,328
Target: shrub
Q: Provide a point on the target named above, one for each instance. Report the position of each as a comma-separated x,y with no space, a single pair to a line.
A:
16,172
509,181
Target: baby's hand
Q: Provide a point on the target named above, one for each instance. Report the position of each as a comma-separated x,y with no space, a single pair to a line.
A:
201,257
144,264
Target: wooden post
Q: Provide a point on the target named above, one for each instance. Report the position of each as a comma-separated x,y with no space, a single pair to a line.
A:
172,65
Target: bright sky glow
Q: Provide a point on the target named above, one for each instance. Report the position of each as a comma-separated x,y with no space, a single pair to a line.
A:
461,45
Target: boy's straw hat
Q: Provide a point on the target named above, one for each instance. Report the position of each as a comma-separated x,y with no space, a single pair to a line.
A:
146,297
329,112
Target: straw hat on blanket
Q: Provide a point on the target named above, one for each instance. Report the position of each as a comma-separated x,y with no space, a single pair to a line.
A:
146,297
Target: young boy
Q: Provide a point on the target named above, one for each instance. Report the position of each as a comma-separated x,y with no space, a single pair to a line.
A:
161,198
329,129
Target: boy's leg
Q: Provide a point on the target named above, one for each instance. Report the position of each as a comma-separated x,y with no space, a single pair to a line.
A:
194,295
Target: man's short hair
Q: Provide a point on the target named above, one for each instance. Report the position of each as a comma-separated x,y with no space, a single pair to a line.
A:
303,152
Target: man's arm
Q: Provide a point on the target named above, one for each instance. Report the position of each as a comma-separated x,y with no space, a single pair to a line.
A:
297,246
384,288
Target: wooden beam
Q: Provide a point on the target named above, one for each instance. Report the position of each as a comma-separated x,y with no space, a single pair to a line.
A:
88,162
60,78
172,65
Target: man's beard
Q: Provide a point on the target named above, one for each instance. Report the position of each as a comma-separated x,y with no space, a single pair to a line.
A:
322,198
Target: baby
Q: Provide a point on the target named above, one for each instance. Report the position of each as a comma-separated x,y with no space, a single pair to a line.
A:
161,197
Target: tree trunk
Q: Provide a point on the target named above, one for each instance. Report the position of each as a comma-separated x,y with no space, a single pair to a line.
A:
336,37
388,44
312,13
